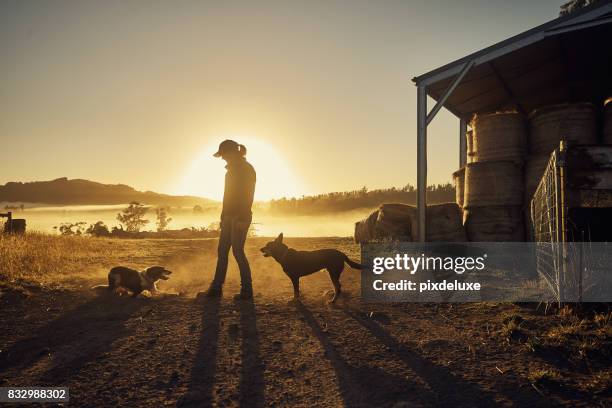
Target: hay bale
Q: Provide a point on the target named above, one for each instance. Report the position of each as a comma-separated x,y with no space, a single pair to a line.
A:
365,229
494,224
499,137
493,184
444,223
607,122
574,122
534,170
394,221
459,182
400,222
469,138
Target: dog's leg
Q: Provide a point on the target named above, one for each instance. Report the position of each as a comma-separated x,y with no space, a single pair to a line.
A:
296,287
334,275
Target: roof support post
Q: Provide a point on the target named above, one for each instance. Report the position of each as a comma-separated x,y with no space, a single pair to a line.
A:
449,90
462,142
422,161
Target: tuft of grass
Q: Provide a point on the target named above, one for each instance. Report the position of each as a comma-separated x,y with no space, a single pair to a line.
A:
567,330
543,377
512,329
600,383
602,320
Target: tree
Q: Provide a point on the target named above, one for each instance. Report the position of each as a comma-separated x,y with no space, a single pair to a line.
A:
575,5
69,228
133,217
162,218
99,229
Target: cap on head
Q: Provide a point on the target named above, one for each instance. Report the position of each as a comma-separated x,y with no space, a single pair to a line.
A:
227,146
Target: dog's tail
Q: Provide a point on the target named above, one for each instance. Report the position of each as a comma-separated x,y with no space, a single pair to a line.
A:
352,264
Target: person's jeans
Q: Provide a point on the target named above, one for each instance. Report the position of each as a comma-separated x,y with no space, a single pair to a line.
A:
233,235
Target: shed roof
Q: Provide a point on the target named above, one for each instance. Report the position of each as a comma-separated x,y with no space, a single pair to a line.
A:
565,60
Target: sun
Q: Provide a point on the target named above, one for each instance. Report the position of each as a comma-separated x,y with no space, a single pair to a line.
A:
205,176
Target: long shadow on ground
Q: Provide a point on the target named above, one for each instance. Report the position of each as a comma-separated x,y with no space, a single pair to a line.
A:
446,386
199,393
77,337
365,385
251,375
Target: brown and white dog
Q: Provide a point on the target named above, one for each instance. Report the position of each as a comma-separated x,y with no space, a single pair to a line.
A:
123,278
301,263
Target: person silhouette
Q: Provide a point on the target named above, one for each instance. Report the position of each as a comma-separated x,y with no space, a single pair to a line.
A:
236,217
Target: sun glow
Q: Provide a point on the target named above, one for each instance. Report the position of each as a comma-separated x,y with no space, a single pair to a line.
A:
206,175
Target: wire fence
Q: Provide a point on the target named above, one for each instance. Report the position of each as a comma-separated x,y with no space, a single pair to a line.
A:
572,268
545,227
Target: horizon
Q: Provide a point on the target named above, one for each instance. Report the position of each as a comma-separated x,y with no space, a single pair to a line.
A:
321,93
203,197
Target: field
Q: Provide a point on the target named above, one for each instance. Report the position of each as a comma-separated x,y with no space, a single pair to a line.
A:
186,350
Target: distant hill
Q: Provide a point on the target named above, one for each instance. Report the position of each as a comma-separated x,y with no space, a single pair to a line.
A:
84,192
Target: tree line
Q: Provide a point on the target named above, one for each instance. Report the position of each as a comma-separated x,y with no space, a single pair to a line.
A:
362,198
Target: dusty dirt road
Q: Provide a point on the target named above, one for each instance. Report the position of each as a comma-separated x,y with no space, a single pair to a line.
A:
189,351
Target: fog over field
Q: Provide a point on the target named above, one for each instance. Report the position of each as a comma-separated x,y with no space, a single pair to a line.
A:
266,223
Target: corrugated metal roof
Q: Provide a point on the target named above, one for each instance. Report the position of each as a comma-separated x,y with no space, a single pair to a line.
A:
567,59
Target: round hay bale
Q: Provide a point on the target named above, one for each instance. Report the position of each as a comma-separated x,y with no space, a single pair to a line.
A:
494,224
365,229
607,122
459,182
444,223
394,222
534,169
469,138
499,137
549,125
493,184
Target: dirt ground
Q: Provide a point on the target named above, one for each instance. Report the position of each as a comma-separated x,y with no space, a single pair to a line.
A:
185,350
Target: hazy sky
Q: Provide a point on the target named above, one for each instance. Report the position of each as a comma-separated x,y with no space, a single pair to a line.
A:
140,92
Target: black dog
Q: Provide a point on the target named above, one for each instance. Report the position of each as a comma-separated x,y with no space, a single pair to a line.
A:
129,279
301,263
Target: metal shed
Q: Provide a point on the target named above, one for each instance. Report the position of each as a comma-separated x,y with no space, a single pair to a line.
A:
568,59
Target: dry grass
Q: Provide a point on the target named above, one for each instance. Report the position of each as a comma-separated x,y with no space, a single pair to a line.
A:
543,376
47,259
512,329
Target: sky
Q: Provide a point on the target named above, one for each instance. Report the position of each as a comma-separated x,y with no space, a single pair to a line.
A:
319,91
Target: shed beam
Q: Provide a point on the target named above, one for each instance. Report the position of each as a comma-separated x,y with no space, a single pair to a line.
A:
422,161
507,89
448,92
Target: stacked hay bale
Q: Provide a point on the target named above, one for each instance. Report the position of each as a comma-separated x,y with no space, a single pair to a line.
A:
459,183
607,122
444,223
469,138
547,127
493,195
400,222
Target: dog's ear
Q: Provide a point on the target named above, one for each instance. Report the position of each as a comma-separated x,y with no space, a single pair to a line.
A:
279,239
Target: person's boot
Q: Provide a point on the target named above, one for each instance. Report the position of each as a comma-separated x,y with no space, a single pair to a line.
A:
244,294
214,291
